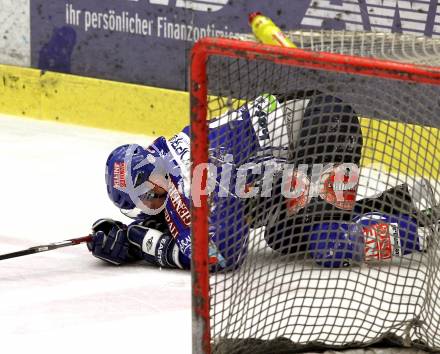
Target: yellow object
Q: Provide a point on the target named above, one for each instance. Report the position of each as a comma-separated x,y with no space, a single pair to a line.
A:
92,102
268,32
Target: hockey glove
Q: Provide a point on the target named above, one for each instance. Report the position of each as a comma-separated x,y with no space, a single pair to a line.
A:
149,241
109,241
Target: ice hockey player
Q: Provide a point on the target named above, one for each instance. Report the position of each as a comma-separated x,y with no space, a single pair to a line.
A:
151,185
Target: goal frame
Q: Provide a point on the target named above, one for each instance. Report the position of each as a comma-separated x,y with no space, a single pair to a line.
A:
233,48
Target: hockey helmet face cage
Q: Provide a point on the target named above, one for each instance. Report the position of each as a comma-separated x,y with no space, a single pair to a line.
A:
128,170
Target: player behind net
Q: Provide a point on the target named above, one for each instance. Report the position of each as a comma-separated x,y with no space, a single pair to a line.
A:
310,209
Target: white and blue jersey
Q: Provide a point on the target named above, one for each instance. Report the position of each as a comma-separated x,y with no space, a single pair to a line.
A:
240,134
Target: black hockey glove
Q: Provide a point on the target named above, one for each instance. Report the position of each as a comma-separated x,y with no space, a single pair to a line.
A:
109,241
151,240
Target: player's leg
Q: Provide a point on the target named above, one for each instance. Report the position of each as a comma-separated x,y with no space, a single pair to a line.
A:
325,132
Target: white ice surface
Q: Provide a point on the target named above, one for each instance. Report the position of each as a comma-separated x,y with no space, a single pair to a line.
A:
66,301
52,188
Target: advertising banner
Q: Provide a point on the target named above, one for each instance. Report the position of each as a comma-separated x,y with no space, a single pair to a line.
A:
148,41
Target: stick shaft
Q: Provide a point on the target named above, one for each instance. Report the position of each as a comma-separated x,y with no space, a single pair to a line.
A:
48,247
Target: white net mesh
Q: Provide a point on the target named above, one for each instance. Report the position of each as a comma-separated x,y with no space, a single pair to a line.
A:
351,257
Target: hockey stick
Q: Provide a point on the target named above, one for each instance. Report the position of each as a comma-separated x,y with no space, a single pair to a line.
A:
48,247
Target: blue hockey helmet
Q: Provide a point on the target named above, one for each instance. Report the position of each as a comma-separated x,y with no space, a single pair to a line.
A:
127,168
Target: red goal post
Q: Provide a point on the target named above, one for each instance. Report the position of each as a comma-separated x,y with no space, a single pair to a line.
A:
250,51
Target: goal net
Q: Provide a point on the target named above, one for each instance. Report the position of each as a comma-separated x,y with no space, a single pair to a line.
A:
315,193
